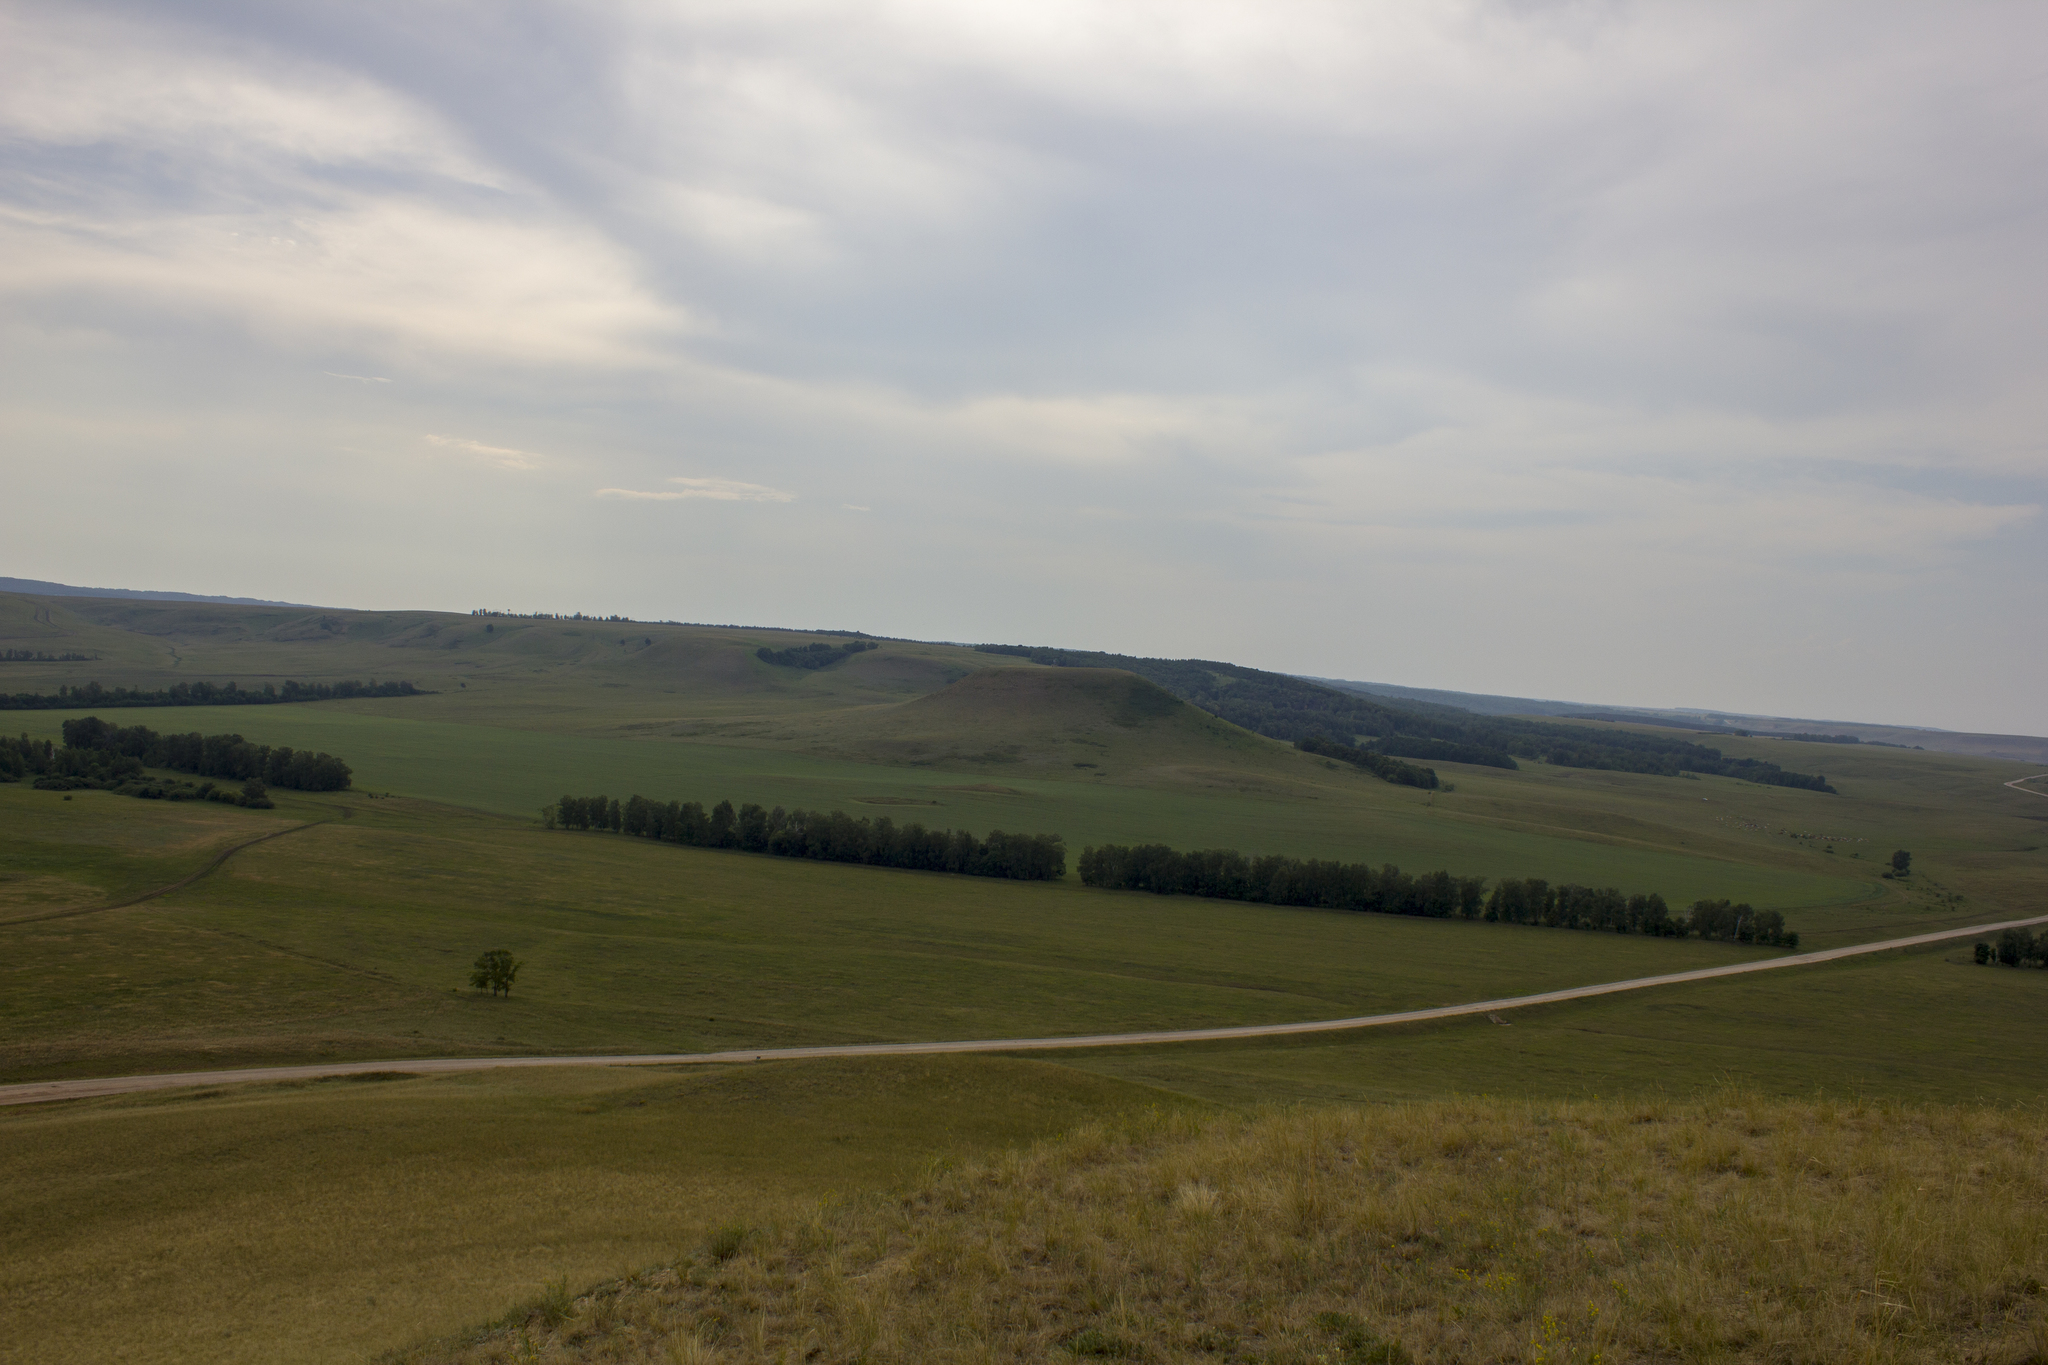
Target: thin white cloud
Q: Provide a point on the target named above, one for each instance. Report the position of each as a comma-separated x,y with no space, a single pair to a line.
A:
730,490
505,456
380,271
359,378
715,490
639,494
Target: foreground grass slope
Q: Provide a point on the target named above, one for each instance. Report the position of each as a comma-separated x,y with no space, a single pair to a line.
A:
1466,1230
321,1222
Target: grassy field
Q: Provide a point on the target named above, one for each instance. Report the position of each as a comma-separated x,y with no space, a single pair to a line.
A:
1710,838
350,938
529,709
1732,1229
445,1200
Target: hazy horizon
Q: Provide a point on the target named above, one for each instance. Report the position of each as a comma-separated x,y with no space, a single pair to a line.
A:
1643,356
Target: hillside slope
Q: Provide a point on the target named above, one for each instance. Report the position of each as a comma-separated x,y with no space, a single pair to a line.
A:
1098,725
1450,1231
538,673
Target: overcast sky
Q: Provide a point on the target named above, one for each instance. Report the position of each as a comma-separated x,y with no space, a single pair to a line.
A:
1671,354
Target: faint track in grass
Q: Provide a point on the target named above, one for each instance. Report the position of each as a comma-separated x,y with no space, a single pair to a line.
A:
178,885
35,1092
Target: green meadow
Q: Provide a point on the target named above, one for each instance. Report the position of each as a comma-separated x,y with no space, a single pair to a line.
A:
1565,825
402,1207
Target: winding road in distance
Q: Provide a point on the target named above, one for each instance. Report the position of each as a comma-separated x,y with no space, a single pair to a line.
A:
2015,784
36,1092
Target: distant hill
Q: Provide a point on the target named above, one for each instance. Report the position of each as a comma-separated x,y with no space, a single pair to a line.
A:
1282,706
36,587
1070,722
1480,703
2019,748
61,634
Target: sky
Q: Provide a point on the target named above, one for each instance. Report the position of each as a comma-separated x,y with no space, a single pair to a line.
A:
1641,354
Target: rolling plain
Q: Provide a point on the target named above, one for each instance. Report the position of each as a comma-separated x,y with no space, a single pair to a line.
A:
400,1208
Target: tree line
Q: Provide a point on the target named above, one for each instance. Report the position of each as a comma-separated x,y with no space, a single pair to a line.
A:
64,770
1446,751
224,756
1292,709
92,695
818,655
2015,948
1226,874
39,656
829,836
1372,761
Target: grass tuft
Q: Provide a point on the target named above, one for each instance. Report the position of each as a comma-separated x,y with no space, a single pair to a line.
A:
726,1243
1093,1341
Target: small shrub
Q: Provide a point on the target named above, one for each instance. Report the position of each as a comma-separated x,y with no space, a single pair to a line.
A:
1358,1344
555,1304
726,1243
1093,1341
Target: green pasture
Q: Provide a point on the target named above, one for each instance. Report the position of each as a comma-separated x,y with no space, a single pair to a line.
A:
353,938
1563,825
528,710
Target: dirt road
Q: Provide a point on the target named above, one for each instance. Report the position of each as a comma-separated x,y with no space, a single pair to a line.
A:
36,1092
2015,784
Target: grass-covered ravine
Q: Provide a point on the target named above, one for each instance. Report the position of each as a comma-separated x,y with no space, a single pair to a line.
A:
1727,1228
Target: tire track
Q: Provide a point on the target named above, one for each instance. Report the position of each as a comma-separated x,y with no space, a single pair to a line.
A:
179,885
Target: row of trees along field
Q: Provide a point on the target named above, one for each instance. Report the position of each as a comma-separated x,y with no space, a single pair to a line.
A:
1293,709
2015,948
202,694
1226,874
1378,764
66,770
829,836
95,751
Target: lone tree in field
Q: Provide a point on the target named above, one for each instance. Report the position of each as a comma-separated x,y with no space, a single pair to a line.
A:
495,971
1902,861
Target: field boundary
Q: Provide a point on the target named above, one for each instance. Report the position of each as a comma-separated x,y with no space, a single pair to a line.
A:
38,1092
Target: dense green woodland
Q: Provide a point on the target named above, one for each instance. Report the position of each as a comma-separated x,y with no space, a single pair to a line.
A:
1226,874
201,694
828,836
1294,709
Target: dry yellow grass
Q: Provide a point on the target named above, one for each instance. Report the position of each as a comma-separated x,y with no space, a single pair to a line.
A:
1730,1229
